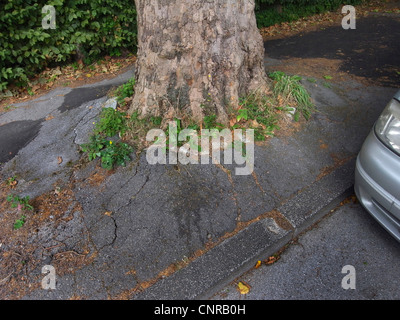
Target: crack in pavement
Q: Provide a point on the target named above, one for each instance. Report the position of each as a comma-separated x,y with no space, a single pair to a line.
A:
168,215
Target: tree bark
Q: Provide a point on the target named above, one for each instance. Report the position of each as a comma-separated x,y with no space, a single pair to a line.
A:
196,57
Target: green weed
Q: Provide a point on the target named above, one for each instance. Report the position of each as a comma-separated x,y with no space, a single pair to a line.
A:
115,154
111,122
327,85
210,122
11,181
156,120
20,203
110,153
292,91
19,223
94,147
126,90
258,113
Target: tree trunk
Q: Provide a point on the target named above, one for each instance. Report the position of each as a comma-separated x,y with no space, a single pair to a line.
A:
196,57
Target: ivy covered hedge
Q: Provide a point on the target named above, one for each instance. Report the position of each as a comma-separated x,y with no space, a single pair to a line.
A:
270,12
90,28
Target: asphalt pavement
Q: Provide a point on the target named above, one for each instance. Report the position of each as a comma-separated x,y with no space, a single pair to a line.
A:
141,230
367,51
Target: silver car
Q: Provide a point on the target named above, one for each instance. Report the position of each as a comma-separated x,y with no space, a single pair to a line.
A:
377,176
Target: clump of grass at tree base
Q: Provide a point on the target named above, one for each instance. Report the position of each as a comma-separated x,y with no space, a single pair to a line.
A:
258,111
210,122
255,111
138,127
132,128
293,93
261,111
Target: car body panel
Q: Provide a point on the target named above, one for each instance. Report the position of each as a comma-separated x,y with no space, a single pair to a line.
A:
397,96
381,164
377,182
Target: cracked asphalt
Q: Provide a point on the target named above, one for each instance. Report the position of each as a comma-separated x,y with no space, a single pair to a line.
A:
173,231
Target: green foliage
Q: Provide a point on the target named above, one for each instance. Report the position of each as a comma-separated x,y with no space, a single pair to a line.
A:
90,28
111,122
290,89
242,114
210,122
115,154
94,147
110,153
126,90
20,203
258,110
11,181
156,120
268,14
19,223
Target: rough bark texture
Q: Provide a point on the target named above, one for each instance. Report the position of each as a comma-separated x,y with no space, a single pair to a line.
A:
196,57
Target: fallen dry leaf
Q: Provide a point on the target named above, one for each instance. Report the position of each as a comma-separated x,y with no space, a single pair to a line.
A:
258,264
12,182
108,213
60,160
255,123
35,88
271,260
243,288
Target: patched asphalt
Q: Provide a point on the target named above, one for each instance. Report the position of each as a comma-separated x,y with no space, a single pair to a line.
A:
16,135
175,231
371,51
19,127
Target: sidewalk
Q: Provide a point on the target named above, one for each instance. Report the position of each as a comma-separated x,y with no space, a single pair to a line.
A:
165,231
